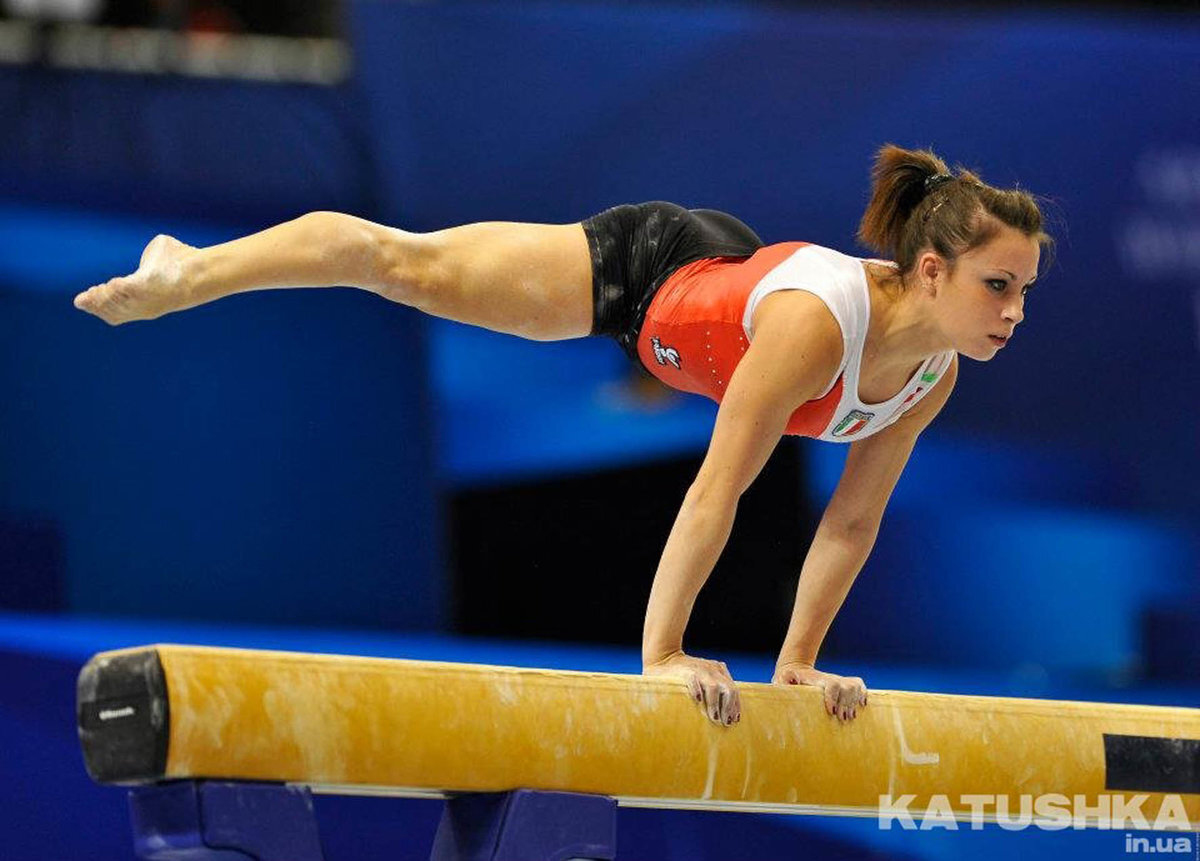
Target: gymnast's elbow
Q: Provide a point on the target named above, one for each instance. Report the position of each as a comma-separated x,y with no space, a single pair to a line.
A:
708,495
858,532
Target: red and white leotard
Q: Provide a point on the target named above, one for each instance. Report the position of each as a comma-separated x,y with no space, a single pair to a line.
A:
698,326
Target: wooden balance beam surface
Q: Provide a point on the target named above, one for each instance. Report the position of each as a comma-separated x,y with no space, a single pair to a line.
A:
370,725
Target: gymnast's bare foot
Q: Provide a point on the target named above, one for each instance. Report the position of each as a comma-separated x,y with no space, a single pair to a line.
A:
159,286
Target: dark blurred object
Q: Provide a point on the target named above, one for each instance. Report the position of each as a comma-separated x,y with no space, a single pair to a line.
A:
301,18
31,566
287,42
297,18
137,13
1171,641
573,558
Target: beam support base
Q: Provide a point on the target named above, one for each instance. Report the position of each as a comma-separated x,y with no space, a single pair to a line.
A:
525,825
206,820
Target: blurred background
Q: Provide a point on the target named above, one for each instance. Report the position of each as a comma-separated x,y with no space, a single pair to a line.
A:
325,471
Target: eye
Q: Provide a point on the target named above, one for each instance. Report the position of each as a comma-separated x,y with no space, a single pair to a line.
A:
997,284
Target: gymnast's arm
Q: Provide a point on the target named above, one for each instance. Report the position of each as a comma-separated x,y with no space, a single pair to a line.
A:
842,543
796,349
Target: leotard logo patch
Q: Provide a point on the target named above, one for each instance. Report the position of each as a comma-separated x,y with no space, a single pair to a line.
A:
664,355
854,421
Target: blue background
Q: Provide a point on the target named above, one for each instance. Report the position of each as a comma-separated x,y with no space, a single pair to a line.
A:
282,458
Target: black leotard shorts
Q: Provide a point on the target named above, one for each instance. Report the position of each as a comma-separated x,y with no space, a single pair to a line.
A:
635,247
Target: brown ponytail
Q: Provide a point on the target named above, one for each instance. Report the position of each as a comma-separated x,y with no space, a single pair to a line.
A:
907,214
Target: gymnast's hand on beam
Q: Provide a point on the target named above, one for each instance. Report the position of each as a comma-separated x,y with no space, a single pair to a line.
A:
844,695
156,288
708,682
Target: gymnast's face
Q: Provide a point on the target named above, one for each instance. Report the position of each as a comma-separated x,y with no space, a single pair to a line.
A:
981,299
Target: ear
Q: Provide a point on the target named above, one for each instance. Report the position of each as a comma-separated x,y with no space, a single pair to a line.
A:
930,269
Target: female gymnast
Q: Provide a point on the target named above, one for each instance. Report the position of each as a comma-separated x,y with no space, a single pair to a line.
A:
790,338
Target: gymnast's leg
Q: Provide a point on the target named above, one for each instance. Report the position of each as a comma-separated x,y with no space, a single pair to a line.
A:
530,280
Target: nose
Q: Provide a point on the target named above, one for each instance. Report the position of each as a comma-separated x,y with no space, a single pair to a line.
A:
1014,311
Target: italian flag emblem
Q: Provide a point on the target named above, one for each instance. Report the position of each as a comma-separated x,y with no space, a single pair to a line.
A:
855,421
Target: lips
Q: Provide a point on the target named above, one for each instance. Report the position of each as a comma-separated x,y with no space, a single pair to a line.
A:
998,339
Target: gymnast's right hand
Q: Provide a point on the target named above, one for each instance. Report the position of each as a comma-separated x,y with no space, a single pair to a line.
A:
158,287
708,682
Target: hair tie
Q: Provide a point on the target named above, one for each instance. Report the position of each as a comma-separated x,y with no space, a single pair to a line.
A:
936,181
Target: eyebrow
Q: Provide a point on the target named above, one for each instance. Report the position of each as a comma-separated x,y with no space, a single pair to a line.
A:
1014,277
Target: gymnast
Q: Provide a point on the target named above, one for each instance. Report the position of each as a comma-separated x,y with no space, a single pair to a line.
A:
791,338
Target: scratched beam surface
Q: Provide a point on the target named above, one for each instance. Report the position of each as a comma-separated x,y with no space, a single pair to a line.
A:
426,728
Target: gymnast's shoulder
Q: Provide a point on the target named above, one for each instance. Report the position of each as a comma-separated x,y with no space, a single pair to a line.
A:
796,337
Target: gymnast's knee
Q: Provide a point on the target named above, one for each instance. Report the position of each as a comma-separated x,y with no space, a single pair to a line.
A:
412,268
361,253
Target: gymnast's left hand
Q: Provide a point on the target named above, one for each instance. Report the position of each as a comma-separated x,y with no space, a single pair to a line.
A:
843,695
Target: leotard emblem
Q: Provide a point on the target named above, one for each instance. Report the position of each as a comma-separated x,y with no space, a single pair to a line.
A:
664,355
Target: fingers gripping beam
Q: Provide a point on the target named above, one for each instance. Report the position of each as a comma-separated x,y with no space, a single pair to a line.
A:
417,728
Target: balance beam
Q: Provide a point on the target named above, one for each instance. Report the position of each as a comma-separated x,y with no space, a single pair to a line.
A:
417,728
